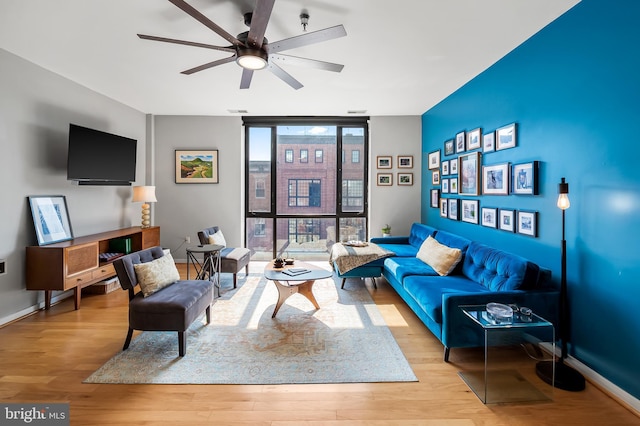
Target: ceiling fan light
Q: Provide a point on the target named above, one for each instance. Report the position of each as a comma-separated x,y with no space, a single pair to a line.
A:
252,59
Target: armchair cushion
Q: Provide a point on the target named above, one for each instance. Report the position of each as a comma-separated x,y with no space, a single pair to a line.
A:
217,238
156,274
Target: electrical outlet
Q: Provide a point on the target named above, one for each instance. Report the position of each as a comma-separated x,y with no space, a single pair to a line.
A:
187,239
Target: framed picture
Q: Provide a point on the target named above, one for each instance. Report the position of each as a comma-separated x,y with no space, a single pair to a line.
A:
460,138
527,223
405,179
453,208
525,178
495,179
469,210
434,160
435,198
385,179
506,220
384,161
489,217
469,174
435,177
453,186
488,142
449,147
474,139
197,166
405,161
50,218
453,167
445,168
506,137
445,186
444,207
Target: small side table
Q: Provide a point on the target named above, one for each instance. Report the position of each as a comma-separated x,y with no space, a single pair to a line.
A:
209,267
495,385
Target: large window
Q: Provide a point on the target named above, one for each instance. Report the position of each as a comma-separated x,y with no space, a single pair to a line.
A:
303,207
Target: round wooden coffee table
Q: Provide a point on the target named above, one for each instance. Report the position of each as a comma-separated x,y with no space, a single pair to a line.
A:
288,282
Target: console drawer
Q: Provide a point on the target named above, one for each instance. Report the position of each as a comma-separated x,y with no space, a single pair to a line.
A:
78,280
104,271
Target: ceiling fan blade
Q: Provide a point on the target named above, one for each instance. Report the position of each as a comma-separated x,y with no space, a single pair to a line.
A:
209,65
188,43
245,82
306,39
284,76
259,21
190,10
311,63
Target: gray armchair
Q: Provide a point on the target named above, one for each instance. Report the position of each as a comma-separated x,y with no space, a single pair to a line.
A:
232,259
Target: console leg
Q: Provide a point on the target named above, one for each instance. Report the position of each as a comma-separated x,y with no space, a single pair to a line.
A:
47,299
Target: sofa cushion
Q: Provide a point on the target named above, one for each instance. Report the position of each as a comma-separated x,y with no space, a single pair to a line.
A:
439,256
402,250
419,233
402,267
157,274
428,291
498,270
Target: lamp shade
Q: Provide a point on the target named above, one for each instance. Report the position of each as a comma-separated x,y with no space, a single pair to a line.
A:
145,194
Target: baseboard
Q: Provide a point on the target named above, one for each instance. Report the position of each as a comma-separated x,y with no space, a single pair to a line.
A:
620,395
28,311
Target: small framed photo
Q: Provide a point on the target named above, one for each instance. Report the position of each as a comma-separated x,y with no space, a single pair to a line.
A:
405,161
435,177
525,178
489,217
506,137
449,147
50,218
435,198
469,210
469,174
445,167
460,138
527,223
405,179
444,207
506,220
495,179
453,186
488,142
453,208
384,161
453,167
434,160
197,166
445,186
474,139
385,179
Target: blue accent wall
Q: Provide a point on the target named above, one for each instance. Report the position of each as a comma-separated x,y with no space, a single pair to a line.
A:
574,91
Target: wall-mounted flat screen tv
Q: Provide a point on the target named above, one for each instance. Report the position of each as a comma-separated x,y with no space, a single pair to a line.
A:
100,158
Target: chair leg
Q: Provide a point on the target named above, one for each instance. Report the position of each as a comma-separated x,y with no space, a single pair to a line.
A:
446,354
235,280
208,311
127,341
343,281
246,270
182,342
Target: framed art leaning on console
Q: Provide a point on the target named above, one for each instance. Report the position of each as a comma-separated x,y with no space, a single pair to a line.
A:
50,218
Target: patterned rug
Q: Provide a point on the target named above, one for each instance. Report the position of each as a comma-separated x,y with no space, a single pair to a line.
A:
346,341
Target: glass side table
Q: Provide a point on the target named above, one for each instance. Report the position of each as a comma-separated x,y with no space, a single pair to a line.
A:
498,384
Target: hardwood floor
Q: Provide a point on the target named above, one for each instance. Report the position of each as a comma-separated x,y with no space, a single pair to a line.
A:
46,356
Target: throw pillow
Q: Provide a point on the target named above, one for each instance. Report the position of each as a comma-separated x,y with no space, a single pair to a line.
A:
217,238
441,258
157,274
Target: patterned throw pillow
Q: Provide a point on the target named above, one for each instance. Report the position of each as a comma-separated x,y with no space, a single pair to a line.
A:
157,274
441,258
217,238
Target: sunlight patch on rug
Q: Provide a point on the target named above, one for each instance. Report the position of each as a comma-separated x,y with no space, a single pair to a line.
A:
345,341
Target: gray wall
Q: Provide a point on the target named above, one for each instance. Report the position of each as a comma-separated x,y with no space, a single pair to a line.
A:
36,107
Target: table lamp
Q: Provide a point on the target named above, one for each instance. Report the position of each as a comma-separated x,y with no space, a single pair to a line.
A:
146,195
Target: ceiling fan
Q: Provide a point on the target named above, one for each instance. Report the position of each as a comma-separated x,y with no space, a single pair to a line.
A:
251,50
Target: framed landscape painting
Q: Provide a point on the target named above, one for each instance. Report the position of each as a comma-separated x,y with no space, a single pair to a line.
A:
197,166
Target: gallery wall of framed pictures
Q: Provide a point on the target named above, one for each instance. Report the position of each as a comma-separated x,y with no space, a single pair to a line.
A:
384,177
463,169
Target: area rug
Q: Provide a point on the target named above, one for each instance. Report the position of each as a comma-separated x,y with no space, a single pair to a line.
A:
345,341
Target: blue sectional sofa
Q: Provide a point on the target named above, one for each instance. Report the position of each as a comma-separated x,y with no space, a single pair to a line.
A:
483,275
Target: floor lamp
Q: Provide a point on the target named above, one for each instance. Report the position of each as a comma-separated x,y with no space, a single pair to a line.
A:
146,194
565,377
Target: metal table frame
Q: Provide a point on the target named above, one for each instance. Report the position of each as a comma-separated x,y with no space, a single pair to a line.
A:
209,268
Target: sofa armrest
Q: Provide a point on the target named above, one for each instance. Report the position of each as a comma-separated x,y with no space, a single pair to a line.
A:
390,240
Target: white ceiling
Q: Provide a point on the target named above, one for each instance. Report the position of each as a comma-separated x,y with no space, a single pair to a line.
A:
401,57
